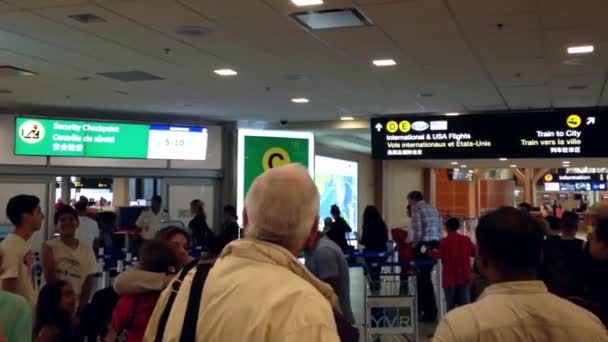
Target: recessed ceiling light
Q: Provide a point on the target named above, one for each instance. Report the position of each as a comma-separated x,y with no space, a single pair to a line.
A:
384,62
347,118
452,114
302,3
471,171
513,165
575,50
456,170
463,166
503,159
300,100
454,163
225,72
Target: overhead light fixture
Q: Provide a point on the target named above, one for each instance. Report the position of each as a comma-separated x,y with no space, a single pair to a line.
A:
384,62
452,114
503,159
456,170
225,72
10,71
513,166
303,3
463,166
471,171
300,100
576,50
454,163
347,118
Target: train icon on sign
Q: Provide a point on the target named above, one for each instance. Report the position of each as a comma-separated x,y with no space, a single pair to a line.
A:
31,132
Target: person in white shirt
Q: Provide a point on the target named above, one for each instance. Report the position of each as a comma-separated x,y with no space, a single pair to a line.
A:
18,263
68,259
516,306
88,230
150,221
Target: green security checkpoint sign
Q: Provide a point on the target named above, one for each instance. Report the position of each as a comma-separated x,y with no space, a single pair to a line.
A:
89,139
259,151
68,138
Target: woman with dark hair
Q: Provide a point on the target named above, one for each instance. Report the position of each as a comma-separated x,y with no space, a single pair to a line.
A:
55,312
132,312
137,280
374,237
179,240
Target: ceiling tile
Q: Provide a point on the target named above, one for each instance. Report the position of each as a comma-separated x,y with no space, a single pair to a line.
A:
527,97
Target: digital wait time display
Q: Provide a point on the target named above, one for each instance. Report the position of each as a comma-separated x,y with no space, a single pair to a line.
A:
512,135
88,139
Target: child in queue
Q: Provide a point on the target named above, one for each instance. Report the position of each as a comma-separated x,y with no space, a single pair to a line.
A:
55,313
457,252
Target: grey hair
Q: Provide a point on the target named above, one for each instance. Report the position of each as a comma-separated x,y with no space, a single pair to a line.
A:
282,206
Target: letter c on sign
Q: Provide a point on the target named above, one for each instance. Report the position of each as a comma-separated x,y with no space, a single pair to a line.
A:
275,157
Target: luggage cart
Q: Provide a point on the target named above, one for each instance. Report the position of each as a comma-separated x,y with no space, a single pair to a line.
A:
391,307
391,304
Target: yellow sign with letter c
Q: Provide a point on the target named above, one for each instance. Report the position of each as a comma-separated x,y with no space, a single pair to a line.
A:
275,157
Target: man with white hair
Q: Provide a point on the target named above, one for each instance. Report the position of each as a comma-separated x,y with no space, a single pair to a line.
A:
258,290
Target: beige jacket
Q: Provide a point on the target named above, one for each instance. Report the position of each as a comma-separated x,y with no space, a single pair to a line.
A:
256,292
520,311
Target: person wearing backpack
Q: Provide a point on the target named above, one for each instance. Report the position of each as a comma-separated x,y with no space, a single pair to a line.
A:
132,312
257,290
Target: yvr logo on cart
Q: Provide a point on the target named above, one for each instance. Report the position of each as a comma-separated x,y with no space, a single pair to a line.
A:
31,132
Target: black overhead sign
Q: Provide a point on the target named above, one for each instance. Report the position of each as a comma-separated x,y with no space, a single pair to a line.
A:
557,134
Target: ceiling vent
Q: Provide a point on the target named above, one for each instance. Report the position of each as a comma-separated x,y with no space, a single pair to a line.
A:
130,76
332,19
5,91
577,87
11,71
193,31
87,18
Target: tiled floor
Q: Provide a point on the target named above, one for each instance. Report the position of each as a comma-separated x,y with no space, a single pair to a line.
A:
357,293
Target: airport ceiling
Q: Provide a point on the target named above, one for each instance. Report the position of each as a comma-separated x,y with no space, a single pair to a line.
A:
451,55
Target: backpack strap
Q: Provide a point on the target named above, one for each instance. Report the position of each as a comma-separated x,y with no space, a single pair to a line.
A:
194,300
175,286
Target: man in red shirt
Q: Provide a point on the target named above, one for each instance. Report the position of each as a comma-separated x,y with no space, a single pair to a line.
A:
456,251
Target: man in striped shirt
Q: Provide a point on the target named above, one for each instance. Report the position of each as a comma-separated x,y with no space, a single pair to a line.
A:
427,228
